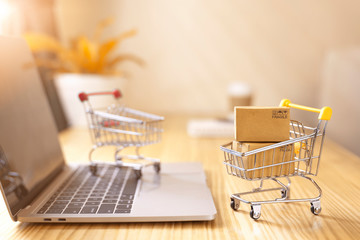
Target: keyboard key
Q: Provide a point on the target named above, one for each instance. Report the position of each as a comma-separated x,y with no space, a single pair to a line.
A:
122,211
89,210
47,205
61,202
103,184
52,198
78,200
92,178
111,192
72,210
111,197
97,195
106,208
63,198
131,185
83,192
58,206
127,197
67,194
50,201
94,199
92,203
125,202
99,191
116,186
54,210
110,201
81,196
42,210
75,205
124,206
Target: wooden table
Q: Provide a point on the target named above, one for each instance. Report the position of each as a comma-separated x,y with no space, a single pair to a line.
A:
338,177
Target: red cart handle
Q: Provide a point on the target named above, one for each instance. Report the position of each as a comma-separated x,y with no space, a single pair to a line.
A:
84,96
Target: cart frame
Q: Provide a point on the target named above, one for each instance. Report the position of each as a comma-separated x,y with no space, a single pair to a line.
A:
300,158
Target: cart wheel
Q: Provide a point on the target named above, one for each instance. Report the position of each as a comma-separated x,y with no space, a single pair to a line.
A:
315,210
255,213
234,204
157,167
93,169
138,173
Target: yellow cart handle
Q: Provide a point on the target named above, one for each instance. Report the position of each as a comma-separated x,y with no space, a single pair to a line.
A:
324,113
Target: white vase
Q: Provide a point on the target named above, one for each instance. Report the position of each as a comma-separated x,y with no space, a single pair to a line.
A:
69,86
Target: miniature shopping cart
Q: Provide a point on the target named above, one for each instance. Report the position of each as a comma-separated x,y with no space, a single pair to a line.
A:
299,156
122,127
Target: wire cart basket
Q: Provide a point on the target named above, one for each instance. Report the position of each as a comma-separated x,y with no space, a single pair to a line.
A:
299,156
122,127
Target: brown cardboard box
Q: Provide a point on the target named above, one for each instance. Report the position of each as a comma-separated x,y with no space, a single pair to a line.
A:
262,124
279,155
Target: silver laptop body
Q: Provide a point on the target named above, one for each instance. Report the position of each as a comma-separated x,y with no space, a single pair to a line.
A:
38,186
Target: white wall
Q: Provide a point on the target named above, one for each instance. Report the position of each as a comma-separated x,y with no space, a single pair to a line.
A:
341,86
194,48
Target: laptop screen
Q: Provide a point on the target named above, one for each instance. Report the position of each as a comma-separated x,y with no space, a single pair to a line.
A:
30,154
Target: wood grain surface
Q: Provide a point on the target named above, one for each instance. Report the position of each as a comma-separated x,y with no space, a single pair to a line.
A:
338,177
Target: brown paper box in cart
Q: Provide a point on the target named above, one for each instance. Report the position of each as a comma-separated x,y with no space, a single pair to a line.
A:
262,124
279,155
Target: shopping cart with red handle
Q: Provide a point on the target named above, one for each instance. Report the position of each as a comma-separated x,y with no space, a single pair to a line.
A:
122,127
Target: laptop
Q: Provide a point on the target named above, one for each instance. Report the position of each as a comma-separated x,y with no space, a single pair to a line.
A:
39,186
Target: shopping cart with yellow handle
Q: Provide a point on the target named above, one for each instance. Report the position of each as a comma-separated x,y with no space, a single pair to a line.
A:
297,157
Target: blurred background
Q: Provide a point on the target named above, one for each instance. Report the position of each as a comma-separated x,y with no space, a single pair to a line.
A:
306,51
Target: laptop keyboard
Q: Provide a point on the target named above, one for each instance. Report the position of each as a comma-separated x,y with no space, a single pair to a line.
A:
111,191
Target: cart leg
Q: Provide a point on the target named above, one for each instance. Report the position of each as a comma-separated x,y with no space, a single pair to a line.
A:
118,159
315,207
138,173
288,188
137,152
255,211
284,190
157,167
258,189
155,162
93,166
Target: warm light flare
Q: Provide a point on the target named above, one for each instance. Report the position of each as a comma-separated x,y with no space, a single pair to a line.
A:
5,13
5,9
